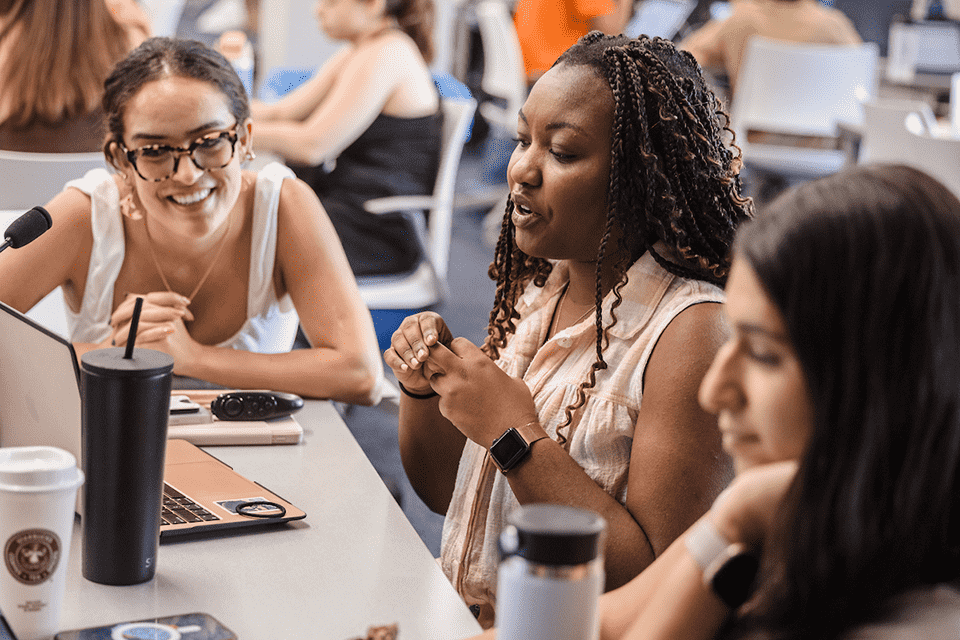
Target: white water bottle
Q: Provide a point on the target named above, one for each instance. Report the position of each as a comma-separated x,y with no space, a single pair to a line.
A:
551,574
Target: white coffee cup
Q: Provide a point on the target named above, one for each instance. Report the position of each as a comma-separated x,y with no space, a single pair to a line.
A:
38,488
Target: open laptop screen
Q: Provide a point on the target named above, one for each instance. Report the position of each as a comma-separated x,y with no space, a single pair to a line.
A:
39,392
40,405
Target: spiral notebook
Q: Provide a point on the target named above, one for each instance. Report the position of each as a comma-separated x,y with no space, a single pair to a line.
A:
40,405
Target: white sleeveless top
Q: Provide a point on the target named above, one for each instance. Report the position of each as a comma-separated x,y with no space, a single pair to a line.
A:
271,324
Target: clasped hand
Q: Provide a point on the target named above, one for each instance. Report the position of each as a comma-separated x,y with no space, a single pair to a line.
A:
476,396
161,325
745,511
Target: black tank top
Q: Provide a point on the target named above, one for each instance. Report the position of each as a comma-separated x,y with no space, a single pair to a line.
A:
394,156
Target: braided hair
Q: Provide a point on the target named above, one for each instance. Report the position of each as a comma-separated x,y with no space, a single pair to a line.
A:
673,180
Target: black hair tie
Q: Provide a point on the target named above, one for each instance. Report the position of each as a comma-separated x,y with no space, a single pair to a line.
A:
242,509
418,396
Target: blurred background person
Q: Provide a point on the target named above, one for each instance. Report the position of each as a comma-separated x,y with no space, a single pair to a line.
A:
719,45
54,58
366,125
547,28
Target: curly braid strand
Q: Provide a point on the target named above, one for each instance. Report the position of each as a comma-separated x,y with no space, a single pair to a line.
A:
512,269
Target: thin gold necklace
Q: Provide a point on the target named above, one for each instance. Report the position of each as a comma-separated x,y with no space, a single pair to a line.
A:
206,274
559,311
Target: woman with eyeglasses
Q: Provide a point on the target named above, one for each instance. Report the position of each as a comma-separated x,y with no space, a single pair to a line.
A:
226,260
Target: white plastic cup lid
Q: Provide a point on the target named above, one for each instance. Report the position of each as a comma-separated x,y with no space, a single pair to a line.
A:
37,469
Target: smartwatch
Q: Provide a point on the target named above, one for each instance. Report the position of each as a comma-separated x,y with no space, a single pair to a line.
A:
510,449
729,568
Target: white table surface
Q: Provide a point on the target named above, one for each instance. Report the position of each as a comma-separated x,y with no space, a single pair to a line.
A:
355,560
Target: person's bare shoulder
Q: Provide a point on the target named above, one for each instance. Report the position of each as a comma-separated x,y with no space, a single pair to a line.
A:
72,206
297,201
749,10
842,26
393,46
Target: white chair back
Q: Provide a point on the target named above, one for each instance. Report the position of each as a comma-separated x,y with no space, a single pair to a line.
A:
445,28
955,103
884,134
427,284
457,115
936,155
31,179
503,71
801,89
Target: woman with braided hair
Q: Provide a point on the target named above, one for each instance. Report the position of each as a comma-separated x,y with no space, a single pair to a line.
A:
839,402
623,203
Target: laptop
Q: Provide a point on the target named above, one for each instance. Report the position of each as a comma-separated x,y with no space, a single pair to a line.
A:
662,18
938,46
40,405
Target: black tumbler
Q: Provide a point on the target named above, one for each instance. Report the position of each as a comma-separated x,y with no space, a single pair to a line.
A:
126,404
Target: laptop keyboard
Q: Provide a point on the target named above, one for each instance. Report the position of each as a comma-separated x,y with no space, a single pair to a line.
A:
178,509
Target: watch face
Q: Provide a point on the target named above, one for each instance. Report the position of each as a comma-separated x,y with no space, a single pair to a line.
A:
733,581
508,449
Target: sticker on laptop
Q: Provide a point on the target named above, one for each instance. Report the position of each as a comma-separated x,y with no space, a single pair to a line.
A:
268,508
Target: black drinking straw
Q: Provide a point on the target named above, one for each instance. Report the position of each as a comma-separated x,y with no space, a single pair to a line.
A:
134,321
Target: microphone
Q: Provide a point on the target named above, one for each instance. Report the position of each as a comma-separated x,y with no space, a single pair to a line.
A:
27,228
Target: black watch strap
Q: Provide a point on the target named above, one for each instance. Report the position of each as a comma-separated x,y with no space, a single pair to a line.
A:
733,574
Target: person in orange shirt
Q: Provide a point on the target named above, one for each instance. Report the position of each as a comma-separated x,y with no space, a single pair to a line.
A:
547,28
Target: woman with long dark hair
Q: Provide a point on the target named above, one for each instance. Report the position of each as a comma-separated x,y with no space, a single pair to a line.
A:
624,201
838,396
